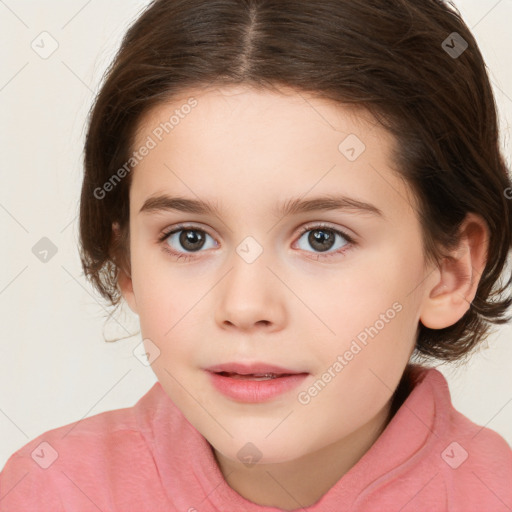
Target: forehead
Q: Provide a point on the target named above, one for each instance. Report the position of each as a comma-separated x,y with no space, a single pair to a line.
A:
209,143
229,102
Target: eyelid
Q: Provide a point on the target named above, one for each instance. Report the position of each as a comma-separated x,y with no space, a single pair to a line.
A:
320,224
165,233
314,225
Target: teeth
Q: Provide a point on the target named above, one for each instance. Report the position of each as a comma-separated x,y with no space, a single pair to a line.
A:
260,376
266,376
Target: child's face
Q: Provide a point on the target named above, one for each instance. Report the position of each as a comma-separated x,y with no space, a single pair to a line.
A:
291,305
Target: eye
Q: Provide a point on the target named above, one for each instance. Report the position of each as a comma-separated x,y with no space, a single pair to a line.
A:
191,239
322,238
187,237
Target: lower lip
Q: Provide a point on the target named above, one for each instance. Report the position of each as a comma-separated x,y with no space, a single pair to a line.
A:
254,391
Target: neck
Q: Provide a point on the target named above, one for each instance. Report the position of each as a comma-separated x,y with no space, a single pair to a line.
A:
302,482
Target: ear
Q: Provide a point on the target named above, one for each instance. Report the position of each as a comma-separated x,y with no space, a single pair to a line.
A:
124,278
458,276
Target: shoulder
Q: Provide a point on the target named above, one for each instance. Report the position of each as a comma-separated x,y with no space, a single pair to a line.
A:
485,444
78,460
483,448
474,459
478,463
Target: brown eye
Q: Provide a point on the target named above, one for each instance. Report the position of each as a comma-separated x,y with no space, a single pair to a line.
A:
324,238
321,239
191,239
183,241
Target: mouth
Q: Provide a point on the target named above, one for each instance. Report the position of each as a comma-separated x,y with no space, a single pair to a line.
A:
256,382
253,371
255,376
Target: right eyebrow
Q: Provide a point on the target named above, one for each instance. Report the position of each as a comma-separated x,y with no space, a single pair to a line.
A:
182,204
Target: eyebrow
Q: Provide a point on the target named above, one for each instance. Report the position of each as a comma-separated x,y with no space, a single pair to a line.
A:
293,206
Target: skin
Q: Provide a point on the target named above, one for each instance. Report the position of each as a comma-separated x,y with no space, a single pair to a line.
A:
248,151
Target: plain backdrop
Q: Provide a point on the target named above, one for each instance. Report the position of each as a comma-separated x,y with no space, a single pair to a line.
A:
55,367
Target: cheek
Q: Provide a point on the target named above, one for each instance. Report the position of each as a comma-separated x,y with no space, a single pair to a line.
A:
160,292
356,296
169,307
161,303
373,314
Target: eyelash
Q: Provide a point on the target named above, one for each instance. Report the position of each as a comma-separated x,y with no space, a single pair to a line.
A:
188,256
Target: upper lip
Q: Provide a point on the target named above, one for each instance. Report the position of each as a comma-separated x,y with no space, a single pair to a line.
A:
251,368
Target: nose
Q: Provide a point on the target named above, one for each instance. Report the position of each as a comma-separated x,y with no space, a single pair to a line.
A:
251,297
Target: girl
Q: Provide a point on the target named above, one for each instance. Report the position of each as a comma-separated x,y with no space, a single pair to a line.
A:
296,198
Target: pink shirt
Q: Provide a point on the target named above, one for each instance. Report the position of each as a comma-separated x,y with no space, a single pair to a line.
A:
150,458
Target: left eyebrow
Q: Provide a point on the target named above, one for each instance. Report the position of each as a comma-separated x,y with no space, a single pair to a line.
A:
326,203
292,206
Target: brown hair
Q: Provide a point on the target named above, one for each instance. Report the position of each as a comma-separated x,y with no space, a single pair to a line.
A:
395,58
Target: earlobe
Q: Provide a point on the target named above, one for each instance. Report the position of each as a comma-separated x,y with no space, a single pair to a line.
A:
125,284
455,288
120,255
